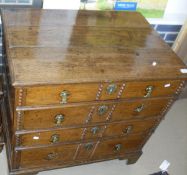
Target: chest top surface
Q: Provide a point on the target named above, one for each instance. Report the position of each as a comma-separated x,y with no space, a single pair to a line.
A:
66,46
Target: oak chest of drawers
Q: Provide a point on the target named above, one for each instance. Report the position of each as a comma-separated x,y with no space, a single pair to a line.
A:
82,87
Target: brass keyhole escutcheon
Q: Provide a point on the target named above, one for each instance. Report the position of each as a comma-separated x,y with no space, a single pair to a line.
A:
102,109
111,88
118,147
64,95
88,146
95,130
52,156
139,108
59,119
149,90
127,130
55,138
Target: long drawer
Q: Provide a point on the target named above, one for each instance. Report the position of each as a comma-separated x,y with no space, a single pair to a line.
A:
95,113
67,154
79,134
69,93
59,136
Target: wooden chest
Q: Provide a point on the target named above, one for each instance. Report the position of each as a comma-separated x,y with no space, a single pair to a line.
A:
83,86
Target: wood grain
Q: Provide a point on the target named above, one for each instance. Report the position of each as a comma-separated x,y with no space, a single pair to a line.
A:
160,88
51,94
65,135
35,17
38,157
107,148
78,115
80,134
85,154
45,95
85,47
120,129
38,119
127,110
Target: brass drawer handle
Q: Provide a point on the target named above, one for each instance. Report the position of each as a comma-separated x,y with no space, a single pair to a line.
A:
52,156
139,108
118,147
59,119
88,146
94,130
111,88
102,109
64,95
55,138
127,130
149,90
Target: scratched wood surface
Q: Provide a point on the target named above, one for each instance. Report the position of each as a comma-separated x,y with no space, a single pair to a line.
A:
57,47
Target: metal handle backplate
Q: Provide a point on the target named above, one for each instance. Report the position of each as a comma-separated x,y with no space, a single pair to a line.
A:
127,130
139,108
94,130
111,88
64,95
59,119
118,147
51,156
55,138
88,146
102,109
149,90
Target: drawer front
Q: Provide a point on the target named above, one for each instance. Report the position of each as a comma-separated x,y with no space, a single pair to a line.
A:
93,132
71,116
85,151
125,128
63,117
115,147
150,88
139,109
51,137
61,94
50,118
70,93
47,156
59,136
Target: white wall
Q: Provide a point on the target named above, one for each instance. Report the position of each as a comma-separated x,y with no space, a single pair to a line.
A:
176,6
61,4
176,10
175,13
